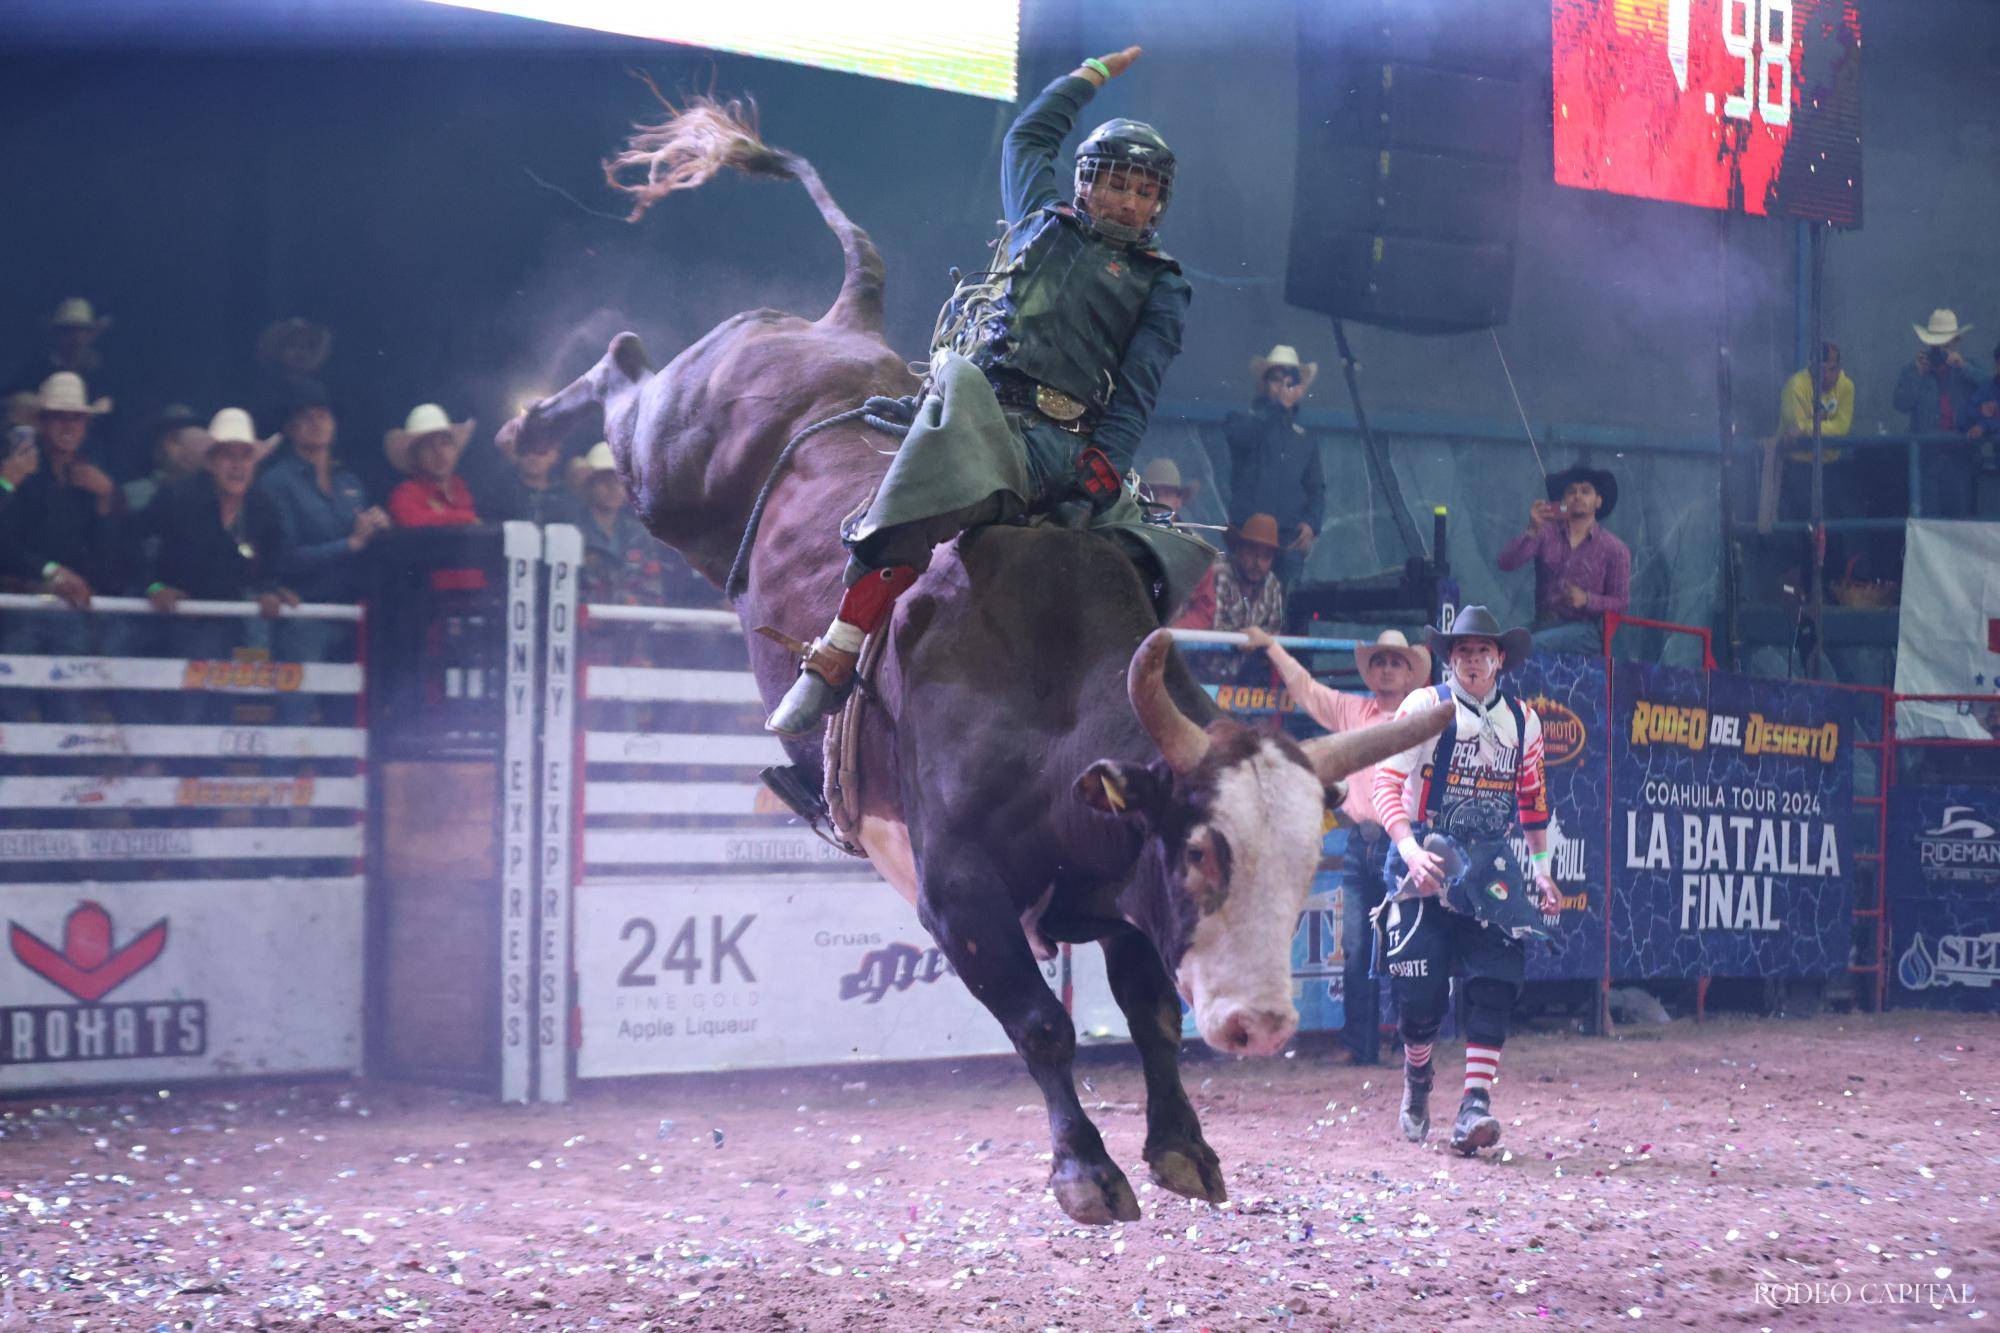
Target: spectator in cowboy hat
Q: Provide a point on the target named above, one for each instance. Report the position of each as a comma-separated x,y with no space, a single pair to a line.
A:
1582,572
1247,592
531,487
1274,466
73,331
326,517
63,519
216,537
1936,389
1162,481
1391,668
428,448
178,443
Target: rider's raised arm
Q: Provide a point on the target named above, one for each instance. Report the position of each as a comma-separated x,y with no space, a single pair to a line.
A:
1028,178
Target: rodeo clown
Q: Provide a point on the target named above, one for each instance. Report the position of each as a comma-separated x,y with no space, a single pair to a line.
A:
1043,372
1458,902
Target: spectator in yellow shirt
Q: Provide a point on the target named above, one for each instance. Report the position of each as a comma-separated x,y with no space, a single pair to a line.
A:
1795,408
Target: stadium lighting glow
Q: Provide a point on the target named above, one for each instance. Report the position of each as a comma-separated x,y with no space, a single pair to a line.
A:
967,46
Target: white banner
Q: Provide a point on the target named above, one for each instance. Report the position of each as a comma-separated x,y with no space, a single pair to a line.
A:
522,544
676,798
673,747
778,848
170,673
84,740
178,844
159,980
678,976
674,685
1949,628
96,792
562,552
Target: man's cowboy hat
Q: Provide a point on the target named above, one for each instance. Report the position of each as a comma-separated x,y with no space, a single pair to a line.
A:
1391,643
1944,327
1163,472
232,426
1256,530
424,419
598,459
1476,622
1605,484
63,392
307,343
1284,357
76,313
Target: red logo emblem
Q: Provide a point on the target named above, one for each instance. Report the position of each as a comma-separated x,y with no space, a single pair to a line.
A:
87,966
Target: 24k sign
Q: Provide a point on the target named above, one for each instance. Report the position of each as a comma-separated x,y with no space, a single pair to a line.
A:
89,966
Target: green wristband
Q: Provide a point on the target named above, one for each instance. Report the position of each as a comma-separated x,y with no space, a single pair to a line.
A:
152,588
1540,858
1097,67
50,570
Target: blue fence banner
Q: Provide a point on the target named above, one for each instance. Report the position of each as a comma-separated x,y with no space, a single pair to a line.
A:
1944,897
1731,846
1567,693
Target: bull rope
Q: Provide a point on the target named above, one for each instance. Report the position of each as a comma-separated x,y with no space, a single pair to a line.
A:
892,416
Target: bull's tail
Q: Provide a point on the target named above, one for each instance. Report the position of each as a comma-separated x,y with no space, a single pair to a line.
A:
693,142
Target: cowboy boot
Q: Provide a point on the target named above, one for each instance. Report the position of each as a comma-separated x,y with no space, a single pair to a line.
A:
826,668
1415,1118
825,676
1476,1127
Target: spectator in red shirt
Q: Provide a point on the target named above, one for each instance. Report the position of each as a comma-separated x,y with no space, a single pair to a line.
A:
428,447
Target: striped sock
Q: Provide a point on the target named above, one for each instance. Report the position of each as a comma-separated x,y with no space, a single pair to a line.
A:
1416,1055
1482,1066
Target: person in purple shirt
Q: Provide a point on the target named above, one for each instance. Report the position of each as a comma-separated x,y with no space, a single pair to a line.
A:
1582,572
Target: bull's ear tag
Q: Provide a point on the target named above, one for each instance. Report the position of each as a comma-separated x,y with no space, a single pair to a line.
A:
1111,793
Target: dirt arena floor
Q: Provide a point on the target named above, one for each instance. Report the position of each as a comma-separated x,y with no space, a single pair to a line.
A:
1657,1179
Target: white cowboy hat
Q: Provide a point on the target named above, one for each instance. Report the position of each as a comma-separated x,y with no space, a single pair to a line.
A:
598,459
424,419
63,392
1284,357
232,425
75,312
1391,643
1943,327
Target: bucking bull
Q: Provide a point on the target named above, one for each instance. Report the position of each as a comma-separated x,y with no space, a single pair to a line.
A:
1037,765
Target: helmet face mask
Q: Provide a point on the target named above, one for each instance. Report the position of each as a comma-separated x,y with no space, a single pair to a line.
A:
1124,179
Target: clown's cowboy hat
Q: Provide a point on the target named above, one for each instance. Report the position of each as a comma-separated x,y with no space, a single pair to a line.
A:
64,392
232,425
1284,356
1391,643
425,419
1476,622
1943,328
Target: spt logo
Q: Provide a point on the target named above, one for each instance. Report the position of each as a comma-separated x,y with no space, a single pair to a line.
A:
1563,732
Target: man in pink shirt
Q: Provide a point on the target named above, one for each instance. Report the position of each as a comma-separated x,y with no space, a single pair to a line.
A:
1390,668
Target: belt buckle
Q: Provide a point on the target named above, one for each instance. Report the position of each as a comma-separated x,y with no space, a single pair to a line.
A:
1057,405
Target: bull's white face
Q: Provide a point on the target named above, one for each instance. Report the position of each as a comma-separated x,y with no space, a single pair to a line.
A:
1247,867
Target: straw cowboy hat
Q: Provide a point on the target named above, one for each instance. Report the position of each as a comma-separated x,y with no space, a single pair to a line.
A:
1284,357
63,392
76,313
598,459
1256,530
424,419
232,426
1476,622
1943,327
1391,643
1603,482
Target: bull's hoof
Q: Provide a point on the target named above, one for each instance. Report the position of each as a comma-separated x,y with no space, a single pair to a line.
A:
1191,1170
1096,1196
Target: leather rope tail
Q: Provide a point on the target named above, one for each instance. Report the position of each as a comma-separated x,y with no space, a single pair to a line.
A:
892,416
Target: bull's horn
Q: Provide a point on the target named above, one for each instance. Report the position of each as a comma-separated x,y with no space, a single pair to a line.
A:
1334,757
1181,742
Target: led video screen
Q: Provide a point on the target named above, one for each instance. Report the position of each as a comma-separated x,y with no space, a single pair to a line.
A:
1748,105
967,46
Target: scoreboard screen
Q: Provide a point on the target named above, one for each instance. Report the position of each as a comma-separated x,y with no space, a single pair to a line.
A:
1748,105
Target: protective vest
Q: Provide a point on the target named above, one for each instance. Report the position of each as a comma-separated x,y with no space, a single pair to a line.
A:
1066,306
1464,796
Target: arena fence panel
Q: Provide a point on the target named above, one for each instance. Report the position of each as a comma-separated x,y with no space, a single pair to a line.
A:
183,815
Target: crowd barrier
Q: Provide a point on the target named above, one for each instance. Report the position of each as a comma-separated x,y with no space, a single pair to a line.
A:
182,845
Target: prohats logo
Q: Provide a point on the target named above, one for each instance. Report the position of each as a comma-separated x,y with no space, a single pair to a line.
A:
89,965
1563,732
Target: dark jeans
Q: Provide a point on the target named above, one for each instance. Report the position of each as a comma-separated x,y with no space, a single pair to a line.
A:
1361,995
